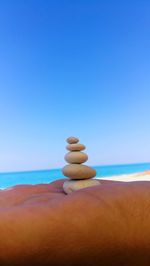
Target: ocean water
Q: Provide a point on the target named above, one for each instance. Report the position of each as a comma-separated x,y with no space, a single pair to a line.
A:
47,176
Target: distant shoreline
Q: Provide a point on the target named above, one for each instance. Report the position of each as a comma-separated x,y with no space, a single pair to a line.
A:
143,176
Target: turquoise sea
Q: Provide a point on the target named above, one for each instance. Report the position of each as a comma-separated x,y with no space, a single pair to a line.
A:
47,176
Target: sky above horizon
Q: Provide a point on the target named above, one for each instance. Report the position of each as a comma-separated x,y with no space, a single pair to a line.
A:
74,68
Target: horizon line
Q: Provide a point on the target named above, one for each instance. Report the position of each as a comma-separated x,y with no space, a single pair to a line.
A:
41,170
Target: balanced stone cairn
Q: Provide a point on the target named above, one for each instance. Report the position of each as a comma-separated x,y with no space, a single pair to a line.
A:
80,175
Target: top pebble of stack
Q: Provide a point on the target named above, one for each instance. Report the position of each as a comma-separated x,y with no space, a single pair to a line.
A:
72,140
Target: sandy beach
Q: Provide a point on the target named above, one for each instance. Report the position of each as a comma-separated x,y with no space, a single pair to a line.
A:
144,176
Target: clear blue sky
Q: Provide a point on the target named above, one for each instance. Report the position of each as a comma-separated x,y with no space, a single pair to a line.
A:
75,67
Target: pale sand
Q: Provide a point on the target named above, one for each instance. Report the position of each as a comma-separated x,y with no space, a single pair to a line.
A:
144,176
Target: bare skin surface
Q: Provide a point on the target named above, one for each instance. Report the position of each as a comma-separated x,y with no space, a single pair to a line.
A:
104,225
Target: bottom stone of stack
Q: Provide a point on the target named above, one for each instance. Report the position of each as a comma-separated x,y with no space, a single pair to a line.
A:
73,185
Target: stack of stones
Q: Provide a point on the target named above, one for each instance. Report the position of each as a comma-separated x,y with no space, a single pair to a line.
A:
80,175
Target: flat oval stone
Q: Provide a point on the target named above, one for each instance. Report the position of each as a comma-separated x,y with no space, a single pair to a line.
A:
72,140
75,147
76,157
74,185
78,171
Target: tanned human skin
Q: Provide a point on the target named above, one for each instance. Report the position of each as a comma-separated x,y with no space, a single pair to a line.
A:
103,225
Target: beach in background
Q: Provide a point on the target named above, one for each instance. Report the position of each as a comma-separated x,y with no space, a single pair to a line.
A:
126,172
